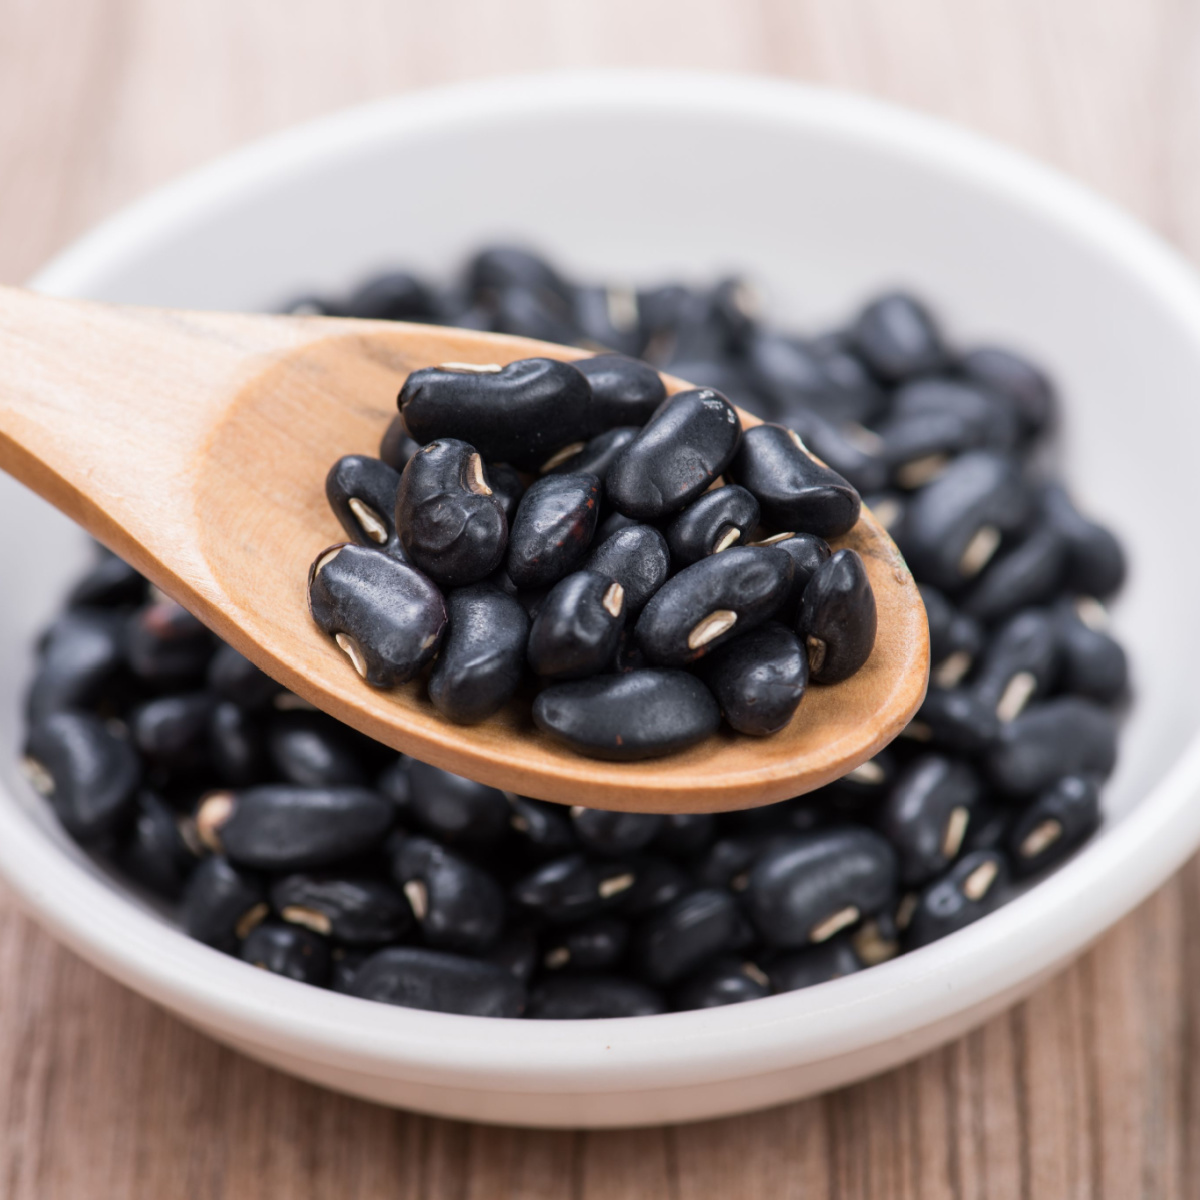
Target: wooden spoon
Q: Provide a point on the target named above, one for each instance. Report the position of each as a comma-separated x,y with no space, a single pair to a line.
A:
195,445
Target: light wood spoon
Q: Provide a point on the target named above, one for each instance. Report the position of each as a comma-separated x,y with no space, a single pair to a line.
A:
195,445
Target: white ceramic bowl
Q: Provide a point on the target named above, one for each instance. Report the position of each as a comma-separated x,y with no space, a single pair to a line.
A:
822,198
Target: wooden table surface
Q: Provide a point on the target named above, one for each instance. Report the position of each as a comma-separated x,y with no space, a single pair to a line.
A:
1086,1090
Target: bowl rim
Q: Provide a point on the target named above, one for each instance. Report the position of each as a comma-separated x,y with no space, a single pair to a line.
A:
1011,948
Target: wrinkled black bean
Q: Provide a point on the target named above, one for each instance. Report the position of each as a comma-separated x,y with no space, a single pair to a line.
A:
385,616
89,774
955,719
167,648
222,903
640,715
728,981
591,997
457,904
172,731
396,447
234,677
837,618
815,885
614,834
971,889
1028,573
362,493
719,519
1095,560
289,951
1015,378
449,522
109,583
637,557
597,455
523,414
456,809
82,655
1059,820
624,390
155,853
576,629
679,453
677,939
554,526
896,337
235,743
573,889
1092,663
413,977
545,828
593,946
282,827
357,911
1064,736
815,964
1020,663
758,679
482,658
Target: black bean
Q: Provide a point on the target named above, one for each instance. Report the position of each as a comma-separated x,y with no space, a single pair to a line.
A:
385,616
449,522
592,946
607,317
640,715
573,889
614,834
971,889
656,881
362,493
1093,664
590,998
482,659
396,447
728,981
393,296
1095,560
679,453
522,414
109,583
595,456
395,783
1020,663
344,967
955,719
855,396
795,376
758,679
281,827
955,640
1065,736
1028,573
286,950
172,731
812,886
313,750
167,648
808,553
496,267
896,337
927,814
719,519
234,677
989,827
683,835
456,809
679,938
235,744
554,526
1059,820
575,632
851,452
624,390
222,903
507,486
357,911
869,782
82,654
728,860
887,507
413,977
89,774
516,952
636,557
545,828
815,964
1015,378
155,852
837,618
953,526
457,904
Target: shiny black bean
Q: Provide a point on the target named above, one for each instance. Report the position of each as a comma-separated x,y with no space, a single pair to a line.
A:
850,451
1095,560
728,981
590,998
953,526
155,852
89,775
1028,573
927,814
313,750
449,522
679,453
593,946
614,834
544,828
289,951
656,881
167,648
172,731
1059,820
897,337
794,491
413,977
808,553
385,616
971,889
82,654
713,601
456,809
362,493
457,905
596,456
758,679
719,519
1017,380
955,719
575,632
282,827
222,903
1065,736
624,390
235,744
573,889
643,714
482,659
818,884
234,677
554,526
1092,664
1020,663
815,964
109,583
522,414
683,835
397,447
678,939
357,911
517,952
637,557
837,618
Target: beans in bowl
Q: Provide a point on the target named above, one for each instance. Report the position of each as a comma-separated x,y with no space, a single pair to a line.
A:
292,841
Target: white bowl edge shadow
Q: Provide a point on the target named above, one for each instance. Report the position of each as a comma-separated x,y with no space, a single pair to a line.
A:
220,233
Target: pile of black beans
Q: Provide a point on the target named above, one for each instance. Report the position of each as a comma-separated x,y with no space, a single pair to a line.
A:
308,850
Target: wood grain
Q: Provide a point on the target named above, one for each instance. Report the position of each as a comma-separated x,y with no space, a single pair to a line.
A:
1089,1089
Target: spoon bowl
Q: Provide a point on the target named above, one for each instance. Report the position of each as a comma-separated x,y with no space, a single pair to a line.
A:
196,445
